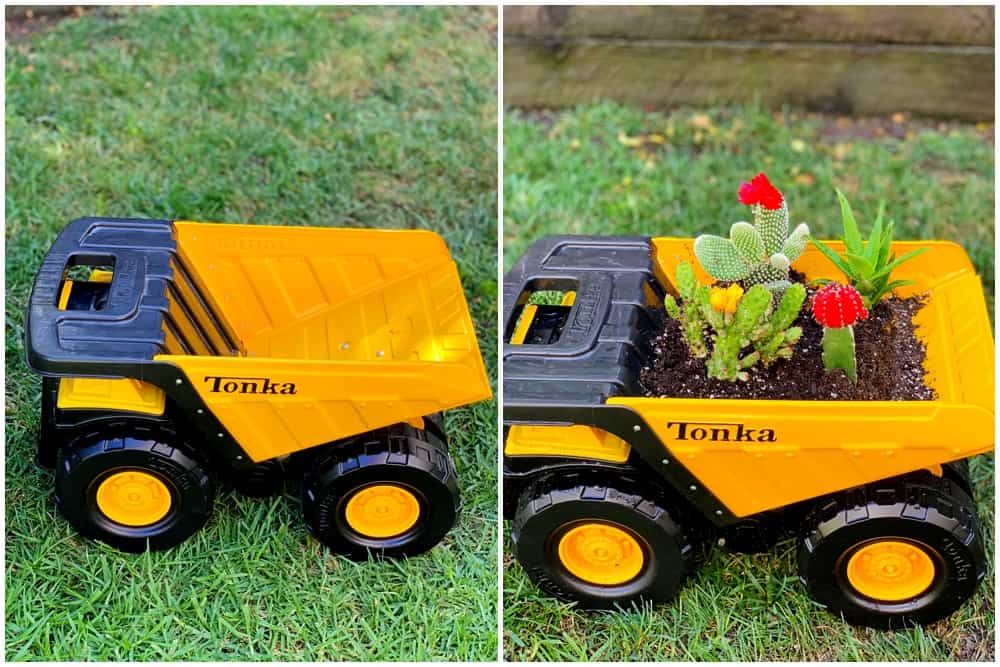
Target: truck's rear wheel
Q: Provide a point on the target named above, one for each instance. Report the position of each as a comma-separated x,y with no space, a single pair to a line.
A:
390,493
133,492
900,552
599,546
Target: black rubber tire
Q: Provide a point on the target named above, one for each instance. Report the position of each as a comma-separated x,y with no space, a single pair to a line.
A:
402,455
958,472
931,512
83,466
544,516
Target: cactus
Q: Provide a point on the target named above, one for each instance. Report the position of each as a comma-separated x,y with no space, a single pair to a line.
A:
735,335
836,308
738,320
689,315
775,338
757,254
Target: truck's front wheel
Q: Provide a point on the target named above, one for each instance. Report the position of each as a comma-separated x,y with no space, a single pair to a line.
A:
599,546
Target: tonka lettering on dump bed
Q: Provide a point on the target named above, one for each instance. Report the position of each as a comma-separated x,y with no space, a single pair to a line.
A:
242,385
721,432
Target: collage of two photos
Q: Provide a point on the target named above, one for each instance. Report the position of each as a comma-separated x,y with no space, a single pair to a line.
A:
518,333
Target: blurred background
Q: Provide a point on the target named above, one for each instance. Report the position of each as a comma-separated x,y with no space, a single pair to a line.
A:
853,60
645,120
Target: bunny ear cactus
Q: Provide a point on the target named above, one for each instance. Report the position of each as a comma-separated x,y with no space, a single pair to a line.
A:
837,307
757,254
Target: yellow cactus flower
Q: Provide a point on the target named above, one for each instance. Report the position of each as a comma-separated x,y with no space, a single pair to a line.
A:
726,299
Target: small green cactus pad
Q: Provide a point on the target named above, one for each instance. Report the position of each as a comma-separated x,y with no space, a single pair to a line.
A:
720,258
748,241
796,243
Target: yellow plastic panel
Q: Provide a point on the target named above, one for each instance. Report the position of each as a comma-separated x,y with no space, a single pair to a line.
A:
577,441
768,454
337,294
802,449
278,406
107,394
341,331
523,324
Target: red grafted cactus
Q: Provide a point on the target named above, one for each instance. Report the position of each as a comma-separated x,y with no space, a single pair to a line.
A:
760,191
838,305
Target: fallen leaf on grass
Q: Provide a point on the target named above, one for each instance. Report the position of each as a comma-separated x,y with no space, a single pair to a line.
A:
701,121
630,142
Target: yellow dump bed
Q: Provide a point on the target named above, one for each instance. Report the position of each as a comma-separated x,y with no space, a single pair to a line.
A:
755,455
337,331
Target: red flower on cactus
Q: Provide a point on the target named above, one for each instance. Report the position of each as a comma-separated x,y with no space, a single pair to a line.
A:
760,191
837,305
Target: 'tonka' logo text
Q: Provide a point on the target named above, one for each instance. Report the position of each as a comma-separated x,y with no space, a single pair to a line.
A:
721,432
238,385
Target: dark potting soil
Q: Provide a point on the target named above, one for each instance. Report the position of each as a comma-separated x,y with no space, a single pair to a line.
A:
890,361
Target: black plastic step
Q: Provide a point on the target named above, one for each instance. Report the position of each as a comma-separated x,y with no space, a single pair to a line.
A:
604,341
128,327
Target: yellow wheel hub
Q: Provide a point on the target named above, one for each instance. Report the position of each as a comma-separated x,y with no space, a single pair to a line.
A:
382,510
602,554
890,570
133,498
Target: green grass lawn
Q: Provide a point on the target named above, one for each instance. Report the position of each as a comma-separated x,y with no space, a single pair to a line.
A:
308,116
608,169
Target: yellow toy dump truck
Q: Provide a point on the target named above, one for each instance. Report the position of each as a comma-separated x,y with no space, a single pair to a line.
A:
614,496
179,354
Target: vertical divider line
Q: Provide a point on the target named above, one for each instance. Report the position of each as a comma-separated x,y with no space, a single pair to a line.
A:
499,391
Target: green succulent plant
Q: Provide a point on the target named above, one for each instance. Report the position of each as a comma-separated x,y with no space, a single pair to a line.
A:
760,253
867,265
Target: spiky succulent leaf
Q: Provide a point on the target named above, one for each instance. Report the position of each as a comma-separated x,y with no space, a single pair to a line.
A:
862,267
720,258
834,258
894,263
779,261
874,247
748,241
751,309
673,310
686,281
852,237
789,306
773,226
765,274
796,243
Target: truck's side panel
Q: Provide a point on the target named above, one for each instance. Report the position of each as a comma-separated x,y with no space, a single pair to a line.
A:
759,455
